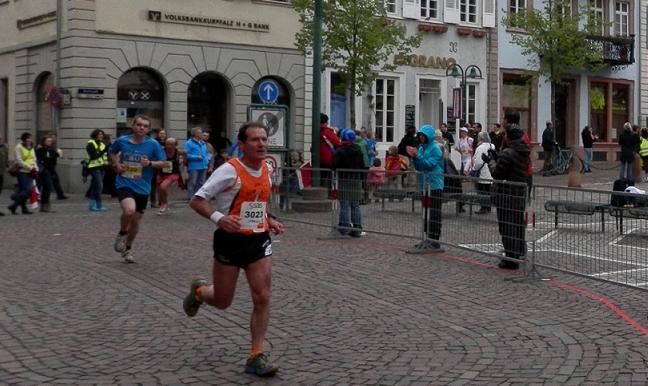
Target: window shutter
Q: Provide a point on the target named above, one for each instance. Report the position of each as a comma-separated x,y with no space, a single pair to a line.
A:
412,9
488,16
451,11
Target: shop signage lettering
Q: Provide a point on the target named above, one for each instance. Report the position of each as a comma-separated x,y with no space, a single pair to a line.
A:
424,61
36,20
218,22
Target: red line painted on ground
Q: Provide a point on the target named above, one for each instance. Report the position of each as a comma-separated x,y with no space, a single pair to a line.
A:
606,302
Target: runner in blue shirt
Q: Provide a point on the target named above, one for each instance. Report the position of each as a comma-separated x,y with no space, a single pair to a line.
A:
133,158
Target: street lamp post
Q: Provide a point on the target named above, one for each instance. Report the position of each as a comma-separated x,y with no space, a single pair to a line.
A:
456,71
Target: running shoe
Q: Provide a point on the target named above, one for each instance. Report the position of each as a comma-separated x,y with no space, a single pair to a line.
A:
164,209
120,243
190,304
258,365
128,256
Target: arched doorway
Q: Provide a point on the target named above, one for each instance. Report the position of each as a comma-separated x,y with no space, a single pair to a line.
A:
208,100
43,107
139,91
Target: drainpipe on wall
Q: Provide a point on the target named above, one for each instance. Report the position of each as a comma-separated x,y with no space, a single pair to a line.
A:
59,32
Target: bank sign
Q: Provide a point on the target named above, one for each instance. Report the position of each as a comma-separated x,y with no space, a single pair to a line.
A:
206,21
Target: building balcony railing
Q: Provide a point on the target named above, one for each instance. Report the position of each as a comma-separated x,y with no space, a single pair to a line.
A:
617,51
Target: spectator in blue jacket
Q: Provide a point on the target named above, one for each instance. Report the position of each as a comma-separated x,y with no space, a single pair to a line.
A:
197,161
428,161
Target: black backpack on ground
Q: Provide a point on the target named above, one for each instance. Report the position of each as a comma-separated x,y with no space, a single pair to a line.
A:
620,186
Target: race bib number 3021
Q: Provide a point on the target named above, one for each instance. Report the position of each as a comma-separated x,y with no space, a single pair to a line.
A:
253,215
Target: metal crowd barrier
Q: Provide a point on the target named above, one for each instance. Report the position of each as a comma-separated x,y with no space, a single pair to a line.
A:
572,230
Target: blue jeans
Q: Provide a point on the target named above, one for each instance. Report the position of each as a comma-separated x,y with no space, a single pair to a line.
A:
587,162
350,215
25,183
625,171
96,185
196,180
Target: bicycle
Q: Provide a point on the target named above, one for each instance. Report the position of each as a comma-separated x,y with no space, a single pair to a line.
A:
564,159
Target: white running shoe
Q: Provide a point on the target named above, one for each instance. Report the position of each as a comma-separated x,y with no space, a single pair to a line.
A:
128,256
164,209
120,243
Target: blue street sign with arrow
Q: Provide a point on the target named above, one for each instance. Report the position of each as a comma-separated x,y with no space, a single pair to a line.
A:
268,91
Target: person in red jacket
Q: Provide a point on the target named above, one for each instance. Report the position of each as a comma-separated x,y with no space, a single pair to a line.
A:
329,141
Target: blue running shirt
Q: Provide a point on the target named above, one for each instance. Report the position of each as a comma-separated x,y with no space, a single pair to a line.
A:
136,177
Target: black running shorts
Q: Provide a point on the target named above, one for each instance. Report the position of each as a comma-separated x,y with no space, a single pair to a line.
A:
140,199
240,250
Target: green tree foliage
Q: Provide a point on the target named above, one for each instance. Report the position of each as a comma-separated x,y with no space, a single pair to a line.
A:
357,40
554,39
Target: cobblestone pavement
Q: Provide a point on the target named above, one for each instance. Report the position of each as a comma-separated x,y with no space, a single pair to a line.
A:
345,312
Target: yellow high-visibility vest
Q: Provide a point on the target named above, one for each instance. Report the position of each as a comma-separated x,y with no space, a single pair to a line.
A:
643,147
29,157
101,161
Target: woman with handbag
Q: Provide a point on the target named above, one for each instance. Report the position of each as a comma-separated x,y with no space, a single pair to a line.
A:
480,169
28,169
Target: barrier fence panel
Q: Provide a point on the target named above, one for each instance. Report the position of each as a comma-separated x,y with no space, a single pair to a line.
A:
600,234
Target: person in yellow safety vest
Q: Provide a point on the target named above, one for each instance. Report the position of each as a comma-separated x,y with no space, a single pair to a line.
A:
643,152
26,159
97,162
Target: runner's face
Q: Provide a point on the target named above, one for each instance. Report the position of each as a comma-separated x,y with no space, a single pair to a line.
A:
141,127
255,146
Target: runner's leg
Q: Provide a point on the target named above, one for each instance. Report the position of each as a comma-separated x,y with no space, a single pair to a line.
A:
221,292
133,228
259,276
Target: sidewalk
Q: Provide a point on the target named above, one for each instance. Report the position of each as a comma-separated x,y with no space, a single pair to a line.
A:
357,311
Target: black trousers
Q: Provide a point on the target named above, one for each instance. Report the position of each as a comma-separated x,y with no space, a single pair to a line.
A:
56,184
510,203
433,224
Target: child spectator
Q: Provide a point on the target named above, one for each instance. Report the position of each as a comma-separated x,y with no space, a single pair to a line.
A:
393,168
376,178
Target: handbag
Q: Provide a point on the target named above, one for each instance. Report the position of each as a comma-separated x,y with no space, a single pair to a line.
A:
476,173
13,169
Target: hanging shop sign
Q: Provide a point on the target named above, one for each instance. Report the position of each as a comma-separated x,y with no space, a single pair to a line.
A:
207,21
36,20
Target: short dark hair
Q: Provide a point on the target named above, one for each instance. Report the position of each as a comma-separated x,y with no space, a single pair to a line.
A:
142,117
498,125
512,116
323,118
242,135
95,133
25,136
477,124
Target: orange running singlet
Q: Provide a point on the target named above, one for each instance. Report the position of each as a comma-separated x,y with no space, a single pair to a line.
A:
250,203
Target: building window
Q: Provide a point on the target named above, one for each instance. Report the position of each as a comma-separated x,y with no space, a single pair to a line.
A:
613,109
516,6
44,110
429,9
139,91
516,95
390,6
385,92
471,103
468,11
621,18
597,8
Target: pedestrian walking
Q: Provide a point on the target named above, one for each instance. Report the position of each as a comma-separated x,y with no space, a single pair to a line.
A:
97,163
409,139
329,141
241,189
46,156
429,162
134,157
56,180
350,183
510,165
629,143
27,172
549,147
588,138
109,173
481,171
197,161
464,146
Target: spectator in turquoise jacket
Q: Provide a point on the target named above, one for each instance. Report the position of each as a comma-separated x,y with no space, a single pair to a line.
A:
197,161
428,161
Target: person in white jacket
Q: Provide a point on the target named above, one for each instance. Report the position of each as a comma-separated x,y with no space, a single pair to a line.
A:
485,178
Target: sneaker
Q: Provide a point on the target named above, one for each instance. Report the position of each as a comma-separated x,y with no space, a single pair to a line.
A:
426,246
190,304
120,243
506,264
258,365
163,210
128,256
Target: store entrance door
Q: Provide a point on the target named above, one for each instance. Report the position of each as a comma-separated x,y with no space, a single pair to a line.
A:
208,101
429,95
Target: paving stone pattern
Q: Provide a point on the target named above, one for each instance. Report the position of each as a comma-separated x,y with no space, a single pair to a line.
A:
344,312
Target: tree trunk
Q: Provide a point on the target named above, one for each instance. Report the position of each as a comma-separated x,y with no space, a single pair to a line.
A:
352,98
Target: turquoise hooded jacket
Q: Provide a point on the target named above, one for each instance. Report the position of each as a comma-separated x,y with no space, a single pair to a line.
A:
429,160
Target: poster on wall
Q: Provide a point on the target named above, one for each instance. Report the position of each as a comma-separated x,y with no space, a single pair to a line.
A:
275,119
